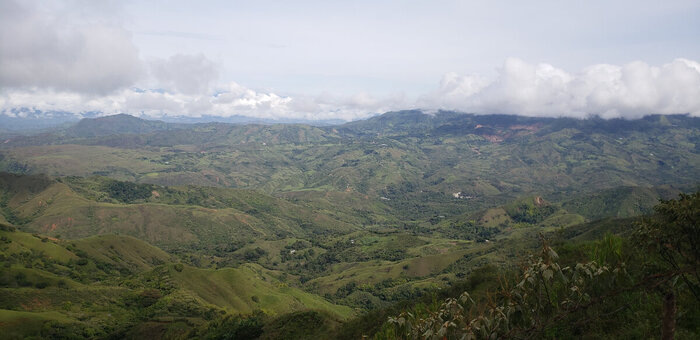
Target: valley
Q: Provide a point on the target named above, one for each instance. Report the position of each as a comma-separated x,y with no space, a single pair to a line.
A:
122,227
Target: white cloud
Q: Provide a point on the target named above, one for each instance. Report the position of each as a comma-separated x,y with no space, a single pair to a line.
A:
631,90
44,47
189,74
77,57
81,48
229,100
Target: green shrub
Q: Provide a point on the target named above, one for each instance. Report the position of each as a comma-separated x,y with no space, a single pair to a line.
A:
127,191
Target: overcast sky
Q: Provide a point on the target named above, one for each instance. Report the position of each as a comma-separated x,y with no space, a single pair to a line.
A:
350,59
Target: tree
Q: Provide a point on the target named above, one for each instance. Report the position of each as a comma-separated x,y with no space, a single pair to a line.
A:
546,300
671,238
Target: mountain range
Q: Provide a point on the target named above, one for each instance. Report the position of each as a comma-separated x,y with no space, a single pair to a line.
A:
120,227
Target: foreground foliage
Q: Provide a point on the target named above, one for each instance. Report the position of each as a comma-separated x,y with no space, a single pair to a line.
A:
604,296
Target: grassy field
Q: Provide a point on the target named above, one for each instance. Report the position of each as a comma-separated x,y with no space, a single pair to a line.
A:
250,287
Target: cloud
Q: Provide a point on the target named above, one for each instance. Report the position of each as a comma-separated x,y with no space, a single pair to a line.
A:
42,47
188,74
77,57
227,100
631,90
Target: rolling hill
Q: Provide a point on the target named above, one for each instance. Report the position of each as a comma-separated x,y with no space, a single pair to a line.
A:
126,228
411,158
112,284
169,217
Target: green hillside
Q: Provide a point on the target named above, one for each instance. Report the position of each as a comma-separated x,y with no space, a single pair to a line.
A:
417,161
106,284
627,266
122,252
619,202
249,288
118,227
172,217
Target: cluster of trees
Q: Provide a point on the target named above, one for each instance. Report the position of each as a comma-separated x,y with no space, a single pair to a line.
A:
468,230
80,269
128,191
254,254
531,214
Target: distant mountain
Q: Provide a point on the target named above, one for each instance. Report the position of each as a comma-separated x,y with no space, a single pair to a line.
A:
33,121
127,124
498,126
398,122
220,134
116,125
29,121
236,119
129,131
121,124
416,161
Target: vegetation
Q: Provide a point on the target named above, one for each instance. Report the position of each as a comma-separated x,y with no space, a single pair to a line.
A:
123,228
415,160
128,192
617,293
113,285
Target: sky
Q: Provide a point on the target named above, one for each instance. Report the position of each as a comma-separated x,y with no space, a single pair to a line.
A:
351,59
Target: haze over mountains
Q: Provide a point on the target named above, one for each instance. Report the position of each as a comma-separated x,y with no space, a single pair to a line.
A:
26,121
